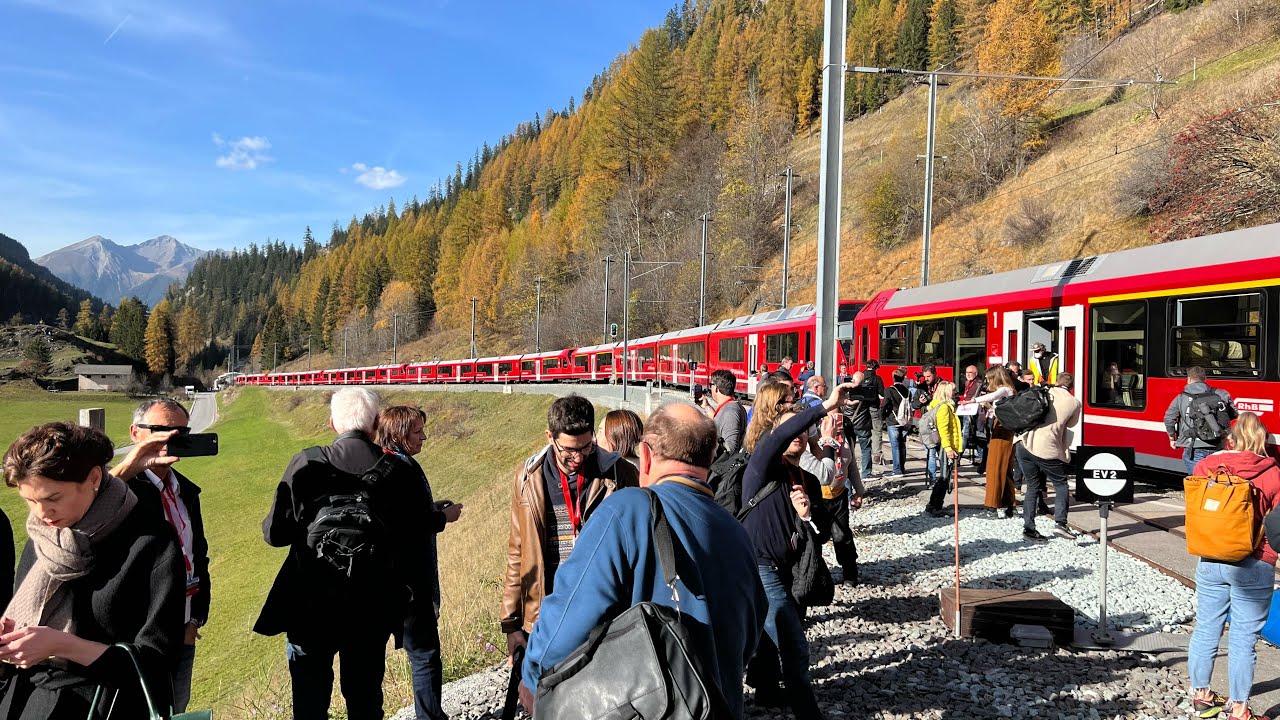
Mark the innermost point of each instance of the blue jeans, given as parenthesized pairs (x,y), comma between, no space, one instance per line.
(1035,470)
(422,645)
(1192,457)
(1244,589)
(784,627)
(182,678)
(898,448)
(864,446)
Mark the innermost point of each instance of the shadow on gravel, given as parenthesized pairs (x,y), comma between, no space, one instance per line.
(936,556)
(887,609)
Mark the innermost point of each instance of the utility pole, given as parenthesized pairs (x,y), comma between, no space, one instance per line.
(275,355)
(344,348)
(829,187)
(473,327)
(786,235)
(702,276)
(537,319)
(626,319)
(395,335)
(308,354)
(928,180)
(607,260)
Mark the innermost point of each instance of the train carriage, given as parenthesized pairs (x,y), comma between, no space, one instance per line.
(1127,325)
(599,361)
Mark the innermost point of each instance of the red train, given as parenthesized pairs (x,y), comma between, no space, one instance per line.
(1127,325)
(739,345)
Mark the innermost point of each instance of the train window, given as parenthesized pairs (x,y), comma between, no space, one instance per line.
(971,343)
(485,369)
(783,345)
(527,367)
(695,352)
(604,359)
(580,362)
(504,368)
(929,342)
(664,354)
(466,370)
(893,344)
(731,350)
(866,345)
(1219,333)
(848,311)
(645,354)
(550,363)
(1119,355)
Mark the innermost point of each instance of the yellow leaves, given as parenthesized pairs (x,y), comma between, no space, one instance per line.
(1019,41)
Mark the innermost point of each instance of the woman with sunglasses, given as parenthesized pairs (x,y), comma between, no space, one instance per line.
(98,569)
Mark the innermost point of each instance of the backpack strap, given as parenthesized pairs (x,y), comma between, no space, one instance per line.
(664,544)
(760,495)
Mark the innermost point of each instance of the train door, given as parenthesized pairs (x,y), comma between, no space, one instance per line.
(753,350)
(1071,359)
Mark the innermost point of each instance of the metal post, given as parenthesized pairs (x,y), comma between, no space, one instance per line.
(702,275)
(473,327)
(955,503)
(607,260)
(275,355)
(537,319)
(829,188)
(928,178)
(344,348)
(395,335)
(626,320)
(786,236)
(308,354)
(1103,636)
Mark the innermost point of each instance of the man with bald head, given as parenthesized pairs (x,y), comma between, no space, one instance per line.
(615,563)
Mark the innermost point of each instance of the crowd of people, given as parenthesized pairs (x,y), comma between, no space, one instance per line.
(120,555)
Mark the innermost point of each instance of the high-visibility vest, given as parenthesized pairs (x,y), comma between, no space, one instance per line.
(1034,362)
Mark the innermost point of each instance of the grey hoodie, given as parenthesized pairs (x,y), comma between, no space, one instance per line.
(1173,417)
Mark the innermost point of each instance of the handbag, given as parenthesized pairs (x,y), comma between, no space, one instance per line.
(153,713)
(811,582)
(641,664)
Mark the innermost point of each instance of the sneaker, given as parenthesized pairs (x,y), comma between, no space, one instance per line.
(937,512)
(1002,513)
(1065,531)
(1211,708)
(1031,534)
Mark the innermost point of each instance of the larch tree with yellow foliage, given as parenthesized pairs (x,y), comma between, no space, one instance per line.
(158,339)
(1019,41)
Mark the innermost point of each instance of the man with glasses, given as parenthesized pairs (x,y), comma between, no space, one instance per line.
(553,496)
(156,483)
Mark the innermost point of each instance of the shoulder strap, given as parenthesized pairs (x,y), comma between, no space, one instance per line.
(760,495)
(663,542)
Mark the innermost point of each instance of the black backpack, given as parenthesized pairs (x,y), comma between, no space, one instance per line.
(640,664)
(1208,416)
(726,480)
(346,534)
(1025,410)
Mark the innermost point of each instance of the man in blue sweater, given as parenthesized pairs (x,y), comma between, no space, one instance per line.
(615,564)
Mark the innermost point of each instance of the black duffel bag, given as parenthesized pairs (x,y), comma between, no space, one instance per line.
(811,584)
(642,664)
(1024,411)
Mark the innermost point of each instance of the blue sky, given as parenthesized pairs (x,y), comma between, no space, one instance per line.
(230,122)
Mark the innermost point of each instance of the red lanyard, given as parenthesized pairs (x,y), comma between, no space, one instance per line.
(575,512)
(169,500)
(721,407)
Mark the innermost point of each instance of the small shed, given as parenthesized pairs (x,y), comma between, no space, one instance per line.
(104,377)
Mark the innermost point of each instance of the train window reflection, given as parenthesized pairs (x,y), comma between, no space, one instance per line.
(731,350)
(893,344)
(929,342)
(527,367)
(604,359)
(782,345)
(971,343)
(1219,333)
(1119,346)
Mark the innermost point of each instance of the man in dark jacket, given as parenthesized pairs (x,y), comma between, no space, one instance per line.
(322,612)
(1181,426)
(169,494)
(894,395)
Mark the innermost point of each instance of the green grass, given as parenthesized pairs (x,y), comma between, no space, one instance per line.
(475,443)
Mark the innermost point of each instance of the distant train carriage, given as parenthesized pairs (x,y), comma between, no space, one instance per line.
(1127,325)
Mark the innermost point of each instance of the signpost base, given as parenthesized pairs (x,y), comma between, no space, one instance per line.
(1102,636)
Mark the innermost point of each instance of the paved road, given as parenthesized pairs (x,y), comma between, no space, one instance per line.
(204,412)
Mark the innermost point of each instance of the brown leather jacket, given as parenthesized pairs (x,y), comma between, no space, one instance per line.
(523,589)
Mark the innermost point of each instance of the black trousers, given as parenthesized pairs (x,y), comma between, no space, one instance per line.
(842,536)
(362,659)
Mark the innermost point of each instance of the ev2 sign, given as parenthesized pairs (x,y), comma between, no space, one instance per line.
(1104,474)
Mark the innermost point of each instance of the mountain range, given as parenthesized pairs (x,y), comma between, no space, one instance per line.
(112,271)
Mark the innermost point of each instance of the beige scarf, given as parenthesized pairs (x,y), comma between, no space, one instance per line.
(64,554)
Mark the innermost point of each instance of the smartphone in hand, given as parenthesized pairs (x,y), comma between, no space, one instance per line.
(193,445)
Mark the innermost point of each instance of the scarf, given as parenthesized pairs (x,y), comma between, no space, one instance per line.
(64,554)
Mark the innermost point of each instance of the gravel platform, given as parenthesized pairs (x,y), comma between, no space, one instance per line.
(881,650)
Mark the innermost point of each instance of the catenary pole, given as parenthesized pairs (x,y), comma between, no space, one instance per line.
(928,180)
(473,328)
(829,187)
(702,274)
(607,260)
(626,320)
(395,335)
(786,235)
(537,319)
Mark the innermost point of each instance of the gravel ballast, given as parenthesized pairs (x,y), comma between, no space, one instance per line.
(882,651)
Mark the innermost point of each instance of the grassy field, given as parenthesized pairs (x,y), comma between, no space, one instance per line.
(475,442)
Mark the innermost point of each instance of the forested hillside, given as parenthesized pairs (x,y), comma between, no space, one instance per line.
(705,112)
(30,293)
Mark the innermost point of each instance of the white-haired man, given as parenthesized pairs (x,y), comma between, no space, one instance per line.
(323,610)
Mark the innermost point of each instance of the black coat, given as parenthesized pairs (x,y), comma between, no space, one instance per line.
(189,492)
(135,593)
(307,601)
(6,559)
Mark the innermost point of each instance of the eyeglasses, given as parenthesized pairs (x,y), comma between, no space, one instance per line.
(579,452)
(182,429)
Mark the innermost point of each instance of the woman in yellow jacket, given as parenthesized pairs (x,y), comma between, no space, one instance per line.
(943,457)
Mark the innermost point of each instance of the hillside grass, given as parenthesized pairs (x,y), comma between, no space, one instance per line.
(475,443)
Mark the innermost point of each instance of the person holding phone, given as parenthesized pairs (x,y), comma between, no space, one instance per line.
(401,432)
(99,568)
(168,494)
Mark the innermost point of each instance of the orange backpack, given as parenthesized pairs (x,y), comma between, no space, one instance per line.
(1222,516)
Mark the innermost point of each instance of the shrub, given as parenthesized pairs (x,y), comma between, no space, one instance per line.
(1032,221)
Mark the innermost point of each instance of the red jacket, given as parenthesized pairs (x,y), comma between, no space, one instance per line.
(1261,471)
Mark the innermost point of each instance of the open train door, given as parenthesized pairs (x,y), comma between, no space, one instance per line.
(1071,359)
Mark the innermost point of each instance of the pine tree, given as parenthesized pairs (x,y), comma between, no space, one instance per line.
(158,339)
(86,323)
(944,33)
(105,319)
(64,318)
(128,328)
(912,47)
(37,357)
(255,353)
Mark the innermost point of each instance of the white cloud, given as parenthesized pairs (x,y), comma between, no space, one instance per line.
(377,177)
(243,154)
